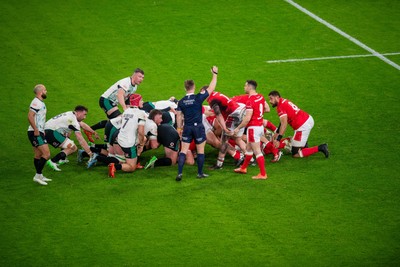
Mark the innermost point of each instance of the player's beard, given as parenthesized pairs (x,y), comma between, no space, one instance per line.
(44,96)
(273,104)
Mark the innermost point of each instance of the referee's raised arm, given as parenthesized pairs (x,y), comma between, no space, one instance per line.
(213,83)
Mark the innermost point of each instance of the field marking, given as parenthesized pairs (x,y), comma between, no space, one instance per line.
(352,39)
(326,58)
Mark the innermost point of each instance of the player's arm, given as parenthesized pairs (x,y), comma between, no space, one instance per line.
(153,143)
(86,127)
(220,119)
(267,109)
(179,121)
(121,97)
(213,83)
(141,139)
(151,139)
(281,130)
(83,142)
(32,122)
(245,121)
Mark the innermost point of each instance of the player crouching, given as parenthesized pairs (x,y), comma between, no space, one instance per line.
(130,136)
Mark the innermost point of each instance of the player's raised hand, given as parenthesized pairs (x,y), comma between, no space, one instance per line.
(214,69)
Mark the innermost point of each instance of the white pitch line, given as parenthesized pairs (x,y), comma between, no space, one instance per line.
(352,39)
(327,58)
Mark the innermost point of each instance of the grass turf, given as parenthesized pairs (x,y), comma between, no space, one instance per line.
(312,211)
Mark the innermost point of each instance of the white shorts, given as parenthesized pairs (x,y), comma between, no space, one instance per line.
(301,135)
(254,134)
(68,143)
(207,126)
(235,118)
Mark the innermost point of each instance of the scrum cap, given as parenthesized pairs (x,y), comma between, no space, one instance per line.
(134,100)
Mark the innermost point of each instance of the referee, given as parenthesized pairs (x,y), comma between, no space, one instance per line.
(189,123)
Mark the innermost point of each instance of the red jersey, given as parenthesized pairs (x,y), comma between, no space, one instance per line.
(257,104)
(296,117)
(241,99)
(226,104)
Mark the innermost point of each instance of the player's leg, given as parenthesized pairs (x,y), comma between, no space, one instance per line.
(68,147)
(221,153)
(260,160)
(56,140)
(130,158)
(182,159)
(130,165)
(247,158)
(200,160)
(44,155)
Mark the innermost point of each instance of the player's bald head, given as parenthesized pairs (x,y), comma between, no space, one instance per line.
(38,88)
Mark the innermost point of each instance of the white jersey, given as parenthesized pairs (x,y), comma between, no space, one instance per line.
(40,110)
(64,123)
(116,122)
(163,104)
(150,129)
(125,84)
(128,133)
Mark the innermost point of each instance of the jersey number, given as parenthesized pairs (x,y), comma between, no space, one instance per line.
(126,121)
(295,108)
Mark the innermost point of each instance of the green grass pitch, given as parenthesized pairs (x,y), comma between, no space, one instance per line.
(341,211)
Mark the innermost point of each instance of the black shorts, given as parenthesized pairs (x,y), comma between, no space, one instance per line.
(113,138)
(106,105)
(37,141)
(55,138)
(109,131)
(197,132)
(168,136)
(130,152)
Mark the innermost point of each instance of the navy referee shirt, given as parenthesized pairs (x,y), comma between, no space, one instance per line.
(191,107)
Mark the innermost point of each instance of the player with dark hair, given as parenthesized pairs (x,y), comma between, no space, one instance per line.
(190,123)
(229,115)
(256,106)
(58,130)
(300,121)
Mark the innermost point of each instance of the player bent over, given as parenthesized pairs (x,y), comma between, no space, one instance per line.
(300,121)
(58,130)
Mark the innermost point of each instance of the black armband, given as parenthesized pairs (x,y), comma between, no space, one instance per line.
(279,138)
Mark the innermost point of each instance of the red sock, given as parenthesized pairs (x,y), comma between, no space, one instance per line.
(246,162)
(271,126)
(309,151)
(237,155)
(261,164)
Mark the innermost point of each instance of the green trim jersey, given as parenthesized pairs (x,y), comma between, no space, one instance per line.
(39,107)
(150,129)
(64,123)
(128,133)
(125,84)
